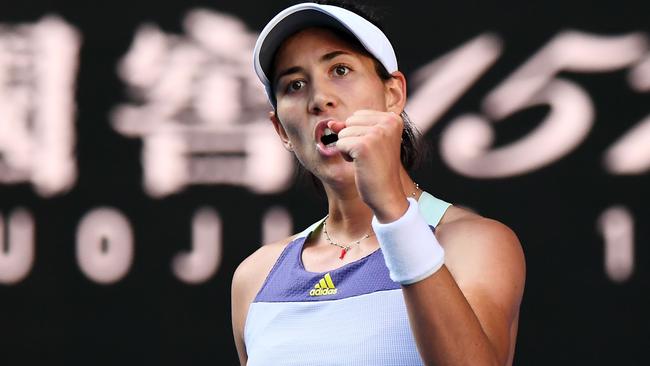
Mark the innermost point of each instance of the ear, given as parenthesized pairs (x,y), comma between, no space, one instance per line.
(396,93)
(280,131)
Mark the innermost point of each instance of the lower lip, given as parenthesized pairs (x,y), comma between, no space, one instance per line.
(328,151)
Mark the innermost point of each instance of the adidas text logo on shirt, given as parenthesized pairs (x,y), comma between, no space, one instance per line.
(324,287)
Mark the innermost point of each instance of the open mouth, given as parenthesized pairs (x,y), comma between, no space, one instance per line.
(329,137)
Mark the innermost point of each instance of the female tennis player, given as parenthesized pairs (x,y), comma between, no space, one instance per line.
(391,275)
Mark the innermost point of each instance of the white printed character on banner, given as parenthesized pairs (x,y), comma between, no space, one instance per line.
(199,109)
(38,66)
(467,142)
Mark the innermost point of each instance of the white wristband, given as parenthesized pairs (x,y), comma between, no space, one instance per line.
(411,250)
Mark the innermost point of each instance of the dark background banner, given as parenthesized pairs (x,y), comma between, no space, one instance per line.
(137,170)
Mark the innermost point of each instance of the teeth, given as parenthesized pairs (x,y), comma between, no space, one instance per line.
(329,138)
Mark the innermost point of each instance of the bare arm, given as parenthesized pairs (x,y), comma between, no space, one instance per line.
(465,314)
(240,300)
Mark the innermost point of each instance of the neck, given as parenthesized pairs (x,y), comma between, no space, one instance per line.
(349,217)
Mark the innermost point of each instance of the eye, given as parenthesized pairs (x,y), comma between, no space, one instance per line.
(295,85)
(341,70)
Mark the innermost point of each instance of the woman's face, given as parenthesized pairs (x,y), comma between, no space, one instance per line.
(320,77)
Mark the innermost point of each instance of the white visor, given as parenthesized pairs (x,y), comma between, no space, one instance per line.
(306,15)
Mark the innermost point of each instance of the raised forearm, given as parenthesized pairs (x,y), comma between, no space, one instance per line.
(446,329)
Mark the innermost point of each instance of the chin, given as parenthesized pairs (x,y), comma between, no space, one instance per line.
(340,174)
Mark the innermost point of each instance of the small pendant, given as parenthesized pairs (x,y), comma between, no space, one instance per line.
(343,253)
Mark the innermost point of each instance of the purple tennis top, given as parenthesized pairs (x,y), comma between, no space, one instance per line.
(352,315)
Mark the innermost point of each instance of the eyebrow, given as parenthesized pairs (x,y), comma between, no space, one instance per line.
(295,69)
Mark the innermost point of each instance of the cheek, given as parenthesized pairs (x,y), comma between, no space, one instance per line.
(287,112)
(292,129)
(367,94)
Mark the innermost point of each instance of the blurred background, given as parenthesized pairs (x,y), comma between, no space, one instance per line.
(138,168)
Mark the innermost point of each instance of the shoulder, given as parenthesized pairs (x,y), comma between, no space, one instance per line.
(460,227)
(482,253)
(252,271)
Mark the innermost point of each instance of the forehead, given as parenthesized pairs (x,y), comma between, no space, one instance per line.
(312,42)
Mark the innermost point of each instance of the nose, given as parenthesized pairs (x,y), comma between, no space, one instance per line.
(322,97)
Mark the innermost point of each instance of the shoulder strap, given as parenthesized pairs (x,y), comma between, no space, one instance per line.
(432,208)
(311,228)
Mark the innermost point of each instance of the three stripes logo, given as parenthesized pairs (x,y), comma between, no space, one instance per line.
(324,287)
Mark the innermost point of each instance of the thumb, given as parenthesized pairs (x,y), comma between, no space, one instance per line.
(336,126)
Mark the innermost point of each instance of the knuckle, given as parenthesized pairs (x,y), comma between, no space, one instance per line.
(384,130)
(376,133)
(362,148)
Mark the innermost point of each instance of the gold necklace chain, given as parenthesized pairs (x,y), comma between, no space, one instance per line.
(346,248)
